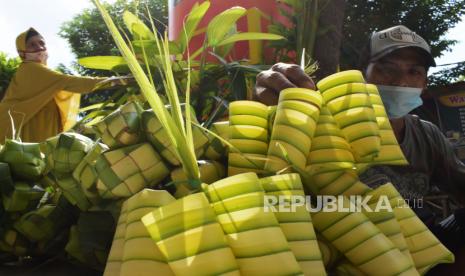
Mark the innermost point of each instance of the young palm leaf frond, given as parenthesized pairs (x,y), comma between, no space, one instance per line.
(173,123)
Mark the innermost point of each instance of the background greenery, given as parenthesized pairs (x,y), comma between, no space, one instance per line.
(431,19)
(88,36)
(8,67)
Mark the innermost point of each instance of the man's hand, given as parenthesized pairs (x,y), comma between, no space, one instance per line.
(280,76)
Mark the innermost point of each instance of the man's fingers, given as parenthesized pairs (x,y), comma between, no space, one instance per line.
(295,74)
(273,80)
(266,96)
(281,76)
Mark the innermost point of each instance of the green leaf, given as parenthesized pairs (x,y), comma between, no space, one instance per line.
(110,63)
(190,26)
(149,46)
(221,24)
(94,114)
(223,51)
(239,86)
(296,4)
(173,122)
(92,107)
(249,36)
(138,29)
(174,48)
(152,49)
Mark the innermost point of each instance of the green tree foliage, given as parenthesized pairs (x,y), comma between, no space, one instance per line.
(429,18)
(451,74)
(88,35)
(8,67)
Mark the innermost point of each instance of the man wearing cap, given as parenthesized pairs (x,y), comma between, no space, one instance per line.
(397,61)
(39,102)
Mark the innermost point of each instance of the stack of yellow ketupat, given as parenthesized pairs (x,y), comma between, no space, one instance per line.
(249,136)
(225,229)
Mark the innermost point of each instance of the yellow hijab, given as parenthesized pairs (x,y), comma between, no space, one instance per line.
(31,89)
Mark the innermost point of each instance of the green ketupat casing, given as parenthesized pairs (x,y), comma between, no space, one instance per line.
(210,171)
(254,235)
(122,127)
(65,151)
(25,159)
(297,226)
(86,174)
(133,250)
(426,250)
(241,236)
(293,129)
(141,255)
(190,238)
(361,242)
(125,171)
(248,136)
(157,136)
(348,101)
(390,152)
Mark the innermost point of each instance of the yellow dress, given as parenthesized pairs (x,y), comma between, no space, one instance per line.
(43,101)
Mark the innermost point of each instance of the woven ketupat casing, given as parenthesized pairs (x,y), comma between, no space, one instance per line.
(210,171)
(189,237)
(248,133)
(216,149)
(296,225)
(361,242)
(23,198)
(426,250)
(65,151)
(86,174)
(252,232)
(115,256)
(13,242)
(293,129)
(126,171)
(158,137)
(90,240)
(6,181)
(140,253)
(122,127)
(35,225)
(390,152)
(46,222)
(73,192)
(330,150)
(25,159)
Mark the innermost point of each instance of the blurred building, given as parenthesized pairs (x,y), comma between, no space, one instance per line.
(445,107)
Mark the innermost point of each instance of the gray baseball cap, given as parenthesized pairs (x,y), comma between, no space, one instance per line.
(386,41)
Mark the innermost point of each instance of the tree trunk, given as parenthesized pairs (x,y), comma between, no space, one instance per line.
(328,43)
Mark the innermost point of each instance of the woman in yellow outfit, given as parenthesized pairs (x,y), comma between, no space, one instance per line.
(42,101)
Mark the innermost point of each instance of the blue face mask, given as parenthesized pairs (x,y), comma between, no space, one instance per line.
(399,101)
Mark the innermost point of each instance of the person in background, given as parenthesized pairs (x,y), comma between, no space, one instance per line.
(40,102)
(397,61)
